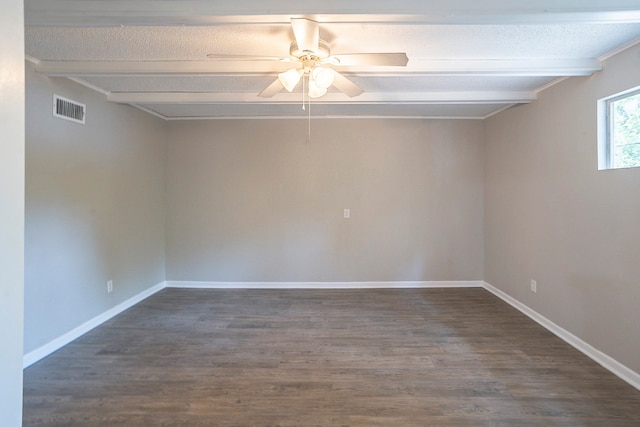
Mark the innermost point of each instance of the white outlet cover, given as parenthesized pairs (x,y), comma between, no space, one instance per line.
(347,213)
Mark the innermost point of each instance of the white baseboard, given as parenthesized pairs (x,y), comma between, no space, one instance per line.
(325,285)
(603,359)
(42,352)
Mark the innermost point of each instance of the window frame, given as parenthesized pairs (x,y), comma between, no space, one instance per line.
(606,138)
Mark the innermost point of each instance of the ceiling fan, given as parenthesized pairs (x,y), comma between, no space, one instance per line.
(312,61)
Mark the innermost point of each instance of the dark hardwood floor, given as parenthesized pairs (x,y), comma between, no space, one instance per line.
(359,358)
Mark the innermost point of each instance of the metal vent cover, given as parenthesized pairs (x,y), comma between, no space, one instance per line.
(68,109)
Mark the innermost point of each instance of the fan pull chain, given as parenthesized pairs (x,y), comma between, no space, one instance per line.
(303,93)
(309,119)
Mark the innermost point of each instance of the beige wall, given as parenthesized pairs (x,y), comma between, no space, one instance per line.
(11,211)
(253,200)
(553,217)
(94,208)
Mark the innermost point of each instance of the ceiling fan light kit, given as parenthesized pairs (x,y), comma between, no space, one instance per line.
(322,76)
(320,79)
(311,58)
(316,91)
(290,78)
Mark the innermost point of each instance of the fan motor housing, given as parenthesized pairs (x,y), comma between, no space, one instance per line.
(322,52)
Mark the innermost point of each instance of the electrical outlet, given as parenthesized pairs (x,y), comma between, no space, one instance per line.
(534,286)
(347,213)
(110,286)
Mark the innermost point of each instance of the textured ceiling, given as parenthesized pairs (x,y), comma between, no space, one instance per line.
(464,61)
(419,41)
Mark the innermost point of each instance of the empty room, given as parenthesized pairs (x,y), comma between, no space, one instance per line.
(268,213)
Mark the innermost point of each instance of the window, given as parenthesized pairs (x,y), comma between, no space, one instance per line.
(620,131)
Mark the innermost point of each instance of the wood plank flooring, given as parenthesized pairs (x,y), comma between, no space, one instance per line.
(357,358)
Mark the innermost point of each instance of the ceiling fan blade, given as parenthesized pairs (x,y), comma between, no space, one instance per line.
(272,89)
(385,59)
(307,34)
(345,85)
(245,58)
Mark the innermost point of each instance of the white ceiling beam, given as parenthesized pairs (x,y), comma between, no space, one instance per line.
(535,67)
(419,67)
(156,68)
(504,97)
(199,12)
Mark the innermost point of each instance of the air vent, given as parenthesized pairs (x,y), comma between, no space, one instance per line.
(67,109)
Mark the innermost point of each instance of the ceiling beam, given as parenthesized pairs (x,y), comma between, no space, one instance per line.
(504,97)
(535,67)
(418,67)
(157,68)
(201,12)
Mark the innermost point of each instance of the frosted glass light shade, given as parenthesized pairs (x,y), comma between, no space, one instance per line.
(316,91)
(290,79)
(322,76)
